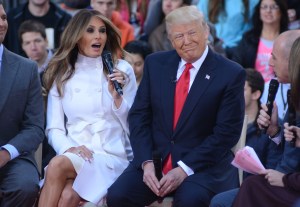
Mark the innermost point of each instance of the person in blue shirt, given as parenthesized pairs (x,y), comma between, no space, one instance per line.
(231,19)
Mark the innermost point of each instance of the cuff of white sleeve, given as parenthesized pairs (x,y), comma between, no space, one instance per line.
(185,168)
(11,150)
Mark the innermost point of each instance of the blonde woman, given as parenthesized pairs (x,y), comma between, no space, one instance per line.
(86,117)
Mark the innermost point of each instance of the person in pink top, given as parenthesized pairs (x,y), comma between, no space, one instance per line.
(270,19)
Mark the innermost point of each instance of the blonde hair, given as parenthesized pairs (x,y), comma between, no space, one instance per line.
(62,65)
(184,15)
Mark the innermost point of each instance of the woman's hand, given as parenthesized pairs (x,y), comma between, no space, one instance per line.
(121,78)
(82,151)
(274,177)
(290,132)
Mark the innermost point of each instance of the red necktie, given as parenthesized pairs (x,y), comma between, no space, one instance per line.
(182,89)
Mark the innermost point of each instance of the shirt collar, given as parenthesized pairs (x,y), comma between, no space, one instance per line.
(197,64)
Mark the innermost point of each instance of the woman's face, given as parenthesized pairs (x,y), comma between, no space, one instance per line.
(92,42)
(269,12)
(170,5)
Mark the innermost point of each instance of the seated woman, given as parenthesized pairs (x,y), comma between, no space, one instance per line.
(86,116)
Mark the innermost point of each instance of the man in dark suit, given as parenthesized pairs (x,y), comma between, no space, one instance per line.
(198,145)
(21,125)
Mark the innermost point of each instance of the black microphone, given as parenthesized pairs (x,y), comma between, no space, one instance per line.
(156,157)
(273,87)
(291,115)
(107,59)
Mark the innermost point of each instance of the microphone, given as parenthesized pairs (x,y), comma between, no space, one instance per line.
(291,115)
(107,59)
(158,169)
(273,87)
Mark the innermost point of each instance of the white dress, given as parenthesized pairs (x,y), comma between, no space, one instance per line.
(92,120)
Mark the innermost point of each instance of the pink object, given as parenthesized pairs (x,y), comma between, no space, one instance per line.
(246,159)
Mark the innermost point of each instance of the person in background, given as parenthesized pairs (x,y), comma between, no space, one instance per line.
(32,35)
(267,151)
(44,11)
(73,6)
(275,187)
(270,19)
(158,39)
(231,19)
(86,117)
(138,51)
(33,38)
(107,8)
(173,116)
(21,125)
(134,12)
(294,14)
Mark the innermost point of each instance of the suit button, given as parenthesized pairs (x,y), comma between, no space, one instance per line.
(172,142)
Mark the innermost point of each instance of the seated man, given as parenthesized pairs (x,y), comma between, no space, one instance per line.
(21,125)
(189,108)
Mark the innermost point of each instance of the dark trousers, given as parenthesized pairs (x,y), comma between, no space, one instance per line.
(19,184)
(129,190)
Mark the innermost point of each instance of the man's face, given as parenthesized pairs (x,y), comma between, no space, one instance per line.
(189,40)
(279,61)
(105,7)
(137,63)
(3,24)
(34,45)
(39,2)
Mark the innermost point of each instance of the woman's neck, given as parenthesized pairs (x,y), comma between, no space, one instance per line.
(269,32)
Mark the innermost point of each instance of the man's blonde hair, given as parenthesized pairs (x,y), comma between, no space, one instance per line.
(184,15)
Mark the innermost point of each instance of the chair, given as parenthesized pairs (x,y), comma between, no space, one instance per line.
(241,143)
(38,157)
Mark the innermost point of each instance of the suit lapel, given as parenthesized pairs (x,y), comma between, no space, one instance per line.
(202,80)
(168,85)
(8,73)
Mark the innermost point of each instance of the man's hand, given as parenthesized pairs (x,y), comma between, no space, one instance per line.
(4,157)
(149,177)
(264,120)
(171,181)
(274,177)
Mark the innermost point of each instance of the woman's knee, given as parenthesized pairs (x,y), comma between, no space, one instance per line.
(57,166)
(69,196)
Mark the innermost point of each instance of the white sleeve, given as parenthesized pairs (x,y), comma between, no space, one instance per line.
(55,130)
(129,91)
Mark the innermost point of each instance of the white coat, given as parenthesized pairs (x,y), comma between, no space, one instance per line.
(92,120)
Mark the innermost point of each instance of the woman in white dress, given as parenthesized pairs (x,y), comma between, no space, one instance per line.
(86,117)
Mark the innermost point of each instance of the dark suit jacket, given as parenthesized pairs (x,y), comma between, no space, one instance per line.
(21,105)
(210,122)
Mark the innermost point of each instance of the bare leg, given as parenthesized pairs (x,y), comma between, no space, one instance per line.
(69,197)
(59,170)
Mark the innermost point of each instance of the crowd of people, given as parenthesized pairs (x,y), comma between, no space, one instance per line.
(137,100)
